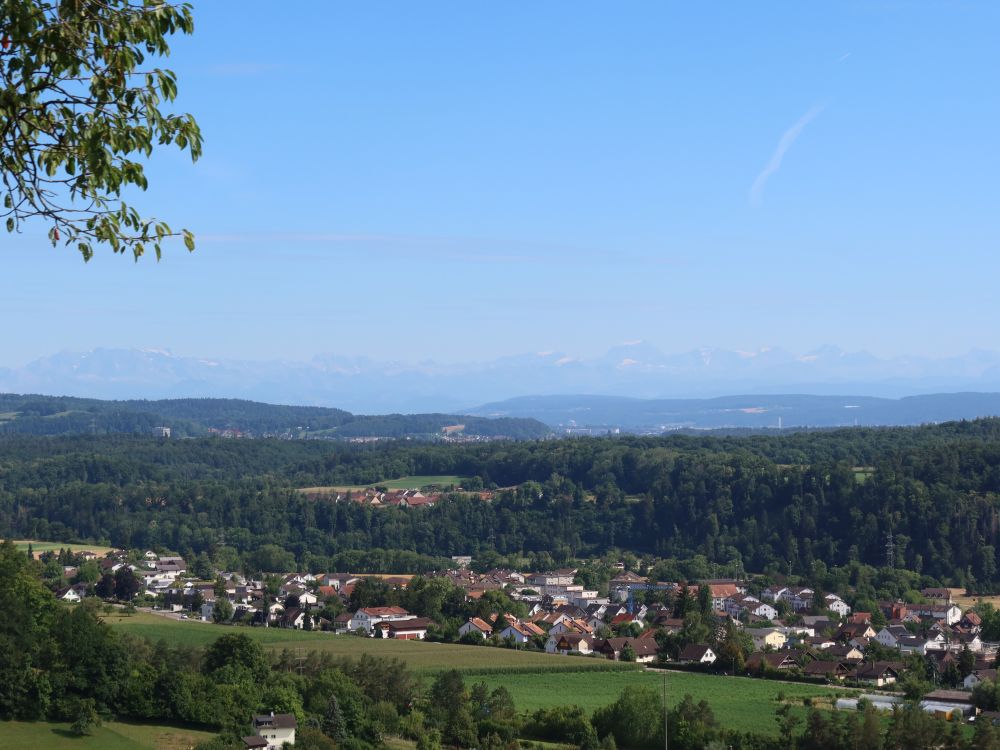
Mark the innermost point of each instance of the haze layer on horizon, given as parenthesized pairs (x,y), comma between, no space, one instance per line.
(458,182)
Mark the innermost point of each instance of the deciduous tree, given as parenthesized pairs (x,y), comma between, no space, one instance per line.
(81,108)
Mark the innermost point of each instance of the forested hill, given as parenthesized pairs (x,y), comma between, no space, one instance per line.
(770,502)
(191,417)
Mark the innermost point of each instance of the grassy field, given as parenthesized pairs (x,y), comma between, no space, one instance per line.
(739,703)
(39,547)
(409,483)
(403,483)
(966,602)
(420,656)
(113,735)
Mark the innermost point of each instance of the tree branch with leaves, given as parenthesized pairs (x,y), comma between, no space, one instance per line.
(79,111)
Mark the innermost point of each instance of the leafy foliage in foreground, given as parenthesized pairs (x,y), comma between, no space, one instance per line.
(80,113)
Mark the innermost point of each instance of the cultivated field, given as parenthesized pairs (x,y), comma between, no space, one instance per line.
(39,547)
(739,703)
(419,655)
(113,735)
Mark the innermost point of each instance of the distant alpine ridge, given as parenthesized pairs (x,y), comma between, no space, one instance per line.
(597,415)
(636,370)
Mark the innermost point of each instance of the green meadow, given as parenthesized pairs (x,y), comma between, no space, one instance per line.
(112,735)
(739,703)
(421,656)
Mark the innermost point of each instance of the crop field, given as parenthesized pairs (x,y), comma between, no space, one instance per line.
(39,547)
(112,735)
(421,656)
(738,703)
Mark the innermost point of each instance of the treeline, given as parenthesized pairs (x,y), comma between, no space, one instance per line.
(192,417)
(768,502)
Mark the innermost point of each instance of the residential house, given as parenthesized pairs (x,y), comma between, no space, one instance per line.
(779,660)
(835,604)
(877,674)
(571,625)
(414,629)
(947,613)
(764,638)
(521,632)
(798,597)
(477,626)
(720,592)
(836,669)
(889,636)
(980,675)
(773,593)
(275,729)
(971,621)
(570,643)
(72,594)
(918,645)
(937,595)
(849,631)
(342,623)
(697,653)
(644,648)
(846,653)
(367,618)
(293,618)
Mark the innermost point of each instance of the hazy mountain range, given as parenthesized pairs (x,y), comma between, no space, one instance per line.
(600,414)
(363,385)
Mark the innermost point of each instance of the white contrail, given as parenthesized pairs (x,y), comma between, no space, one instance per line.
(774,164)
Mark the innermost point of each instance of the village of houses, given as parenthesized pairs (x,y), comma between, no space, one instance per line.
(567,619)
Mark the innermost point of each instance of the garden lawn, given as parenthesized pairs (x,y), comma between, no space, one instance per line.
(113,735)
(739,703)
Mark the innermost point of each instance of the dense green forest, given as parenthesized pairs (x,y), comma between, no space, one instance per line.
(191,417)
(775,502)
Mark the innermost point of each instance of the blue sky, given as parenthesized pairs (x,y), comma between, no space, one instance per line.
(459,181)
